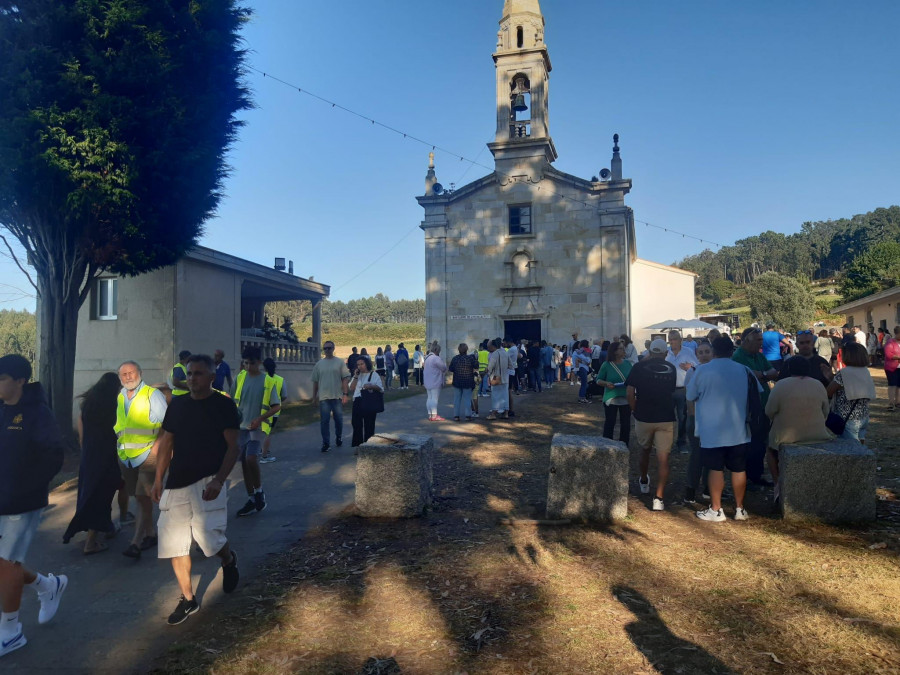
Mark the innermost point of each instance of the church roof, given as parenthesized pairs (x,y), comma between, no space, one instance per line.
(521,7)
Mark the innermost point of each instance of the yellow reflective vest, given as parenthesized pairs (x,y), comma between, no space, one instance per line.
(136,433)
(279,387)
(483,355)
(267,396)
(175,391)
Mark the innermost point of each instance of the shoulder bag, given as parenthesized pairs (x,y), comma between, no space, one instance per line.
(371,400)
(836,423)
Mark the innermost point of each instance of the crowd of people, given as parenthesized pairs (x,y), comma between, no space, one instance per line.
(730,404)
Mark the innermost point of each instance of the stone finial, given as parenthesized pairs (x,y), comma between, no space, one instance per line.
(430,178)
(615,166)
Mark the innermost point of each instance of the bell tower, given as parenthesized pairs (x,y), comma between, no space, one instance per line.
(522,143)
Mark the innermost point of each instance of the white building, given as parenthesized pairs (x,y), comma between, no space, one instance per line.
(208,300)
(529,251)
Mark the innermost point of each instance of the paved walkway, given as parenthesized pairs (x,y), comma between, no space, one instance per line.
(112,617)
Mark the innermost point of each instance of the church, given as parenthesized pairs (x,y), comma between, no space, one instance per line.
(529,251)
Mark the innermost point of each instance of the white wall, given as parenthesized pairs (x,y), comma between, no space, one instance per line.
(658,293)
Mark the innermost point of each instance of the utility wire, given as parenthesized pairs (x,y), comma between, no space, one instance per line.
(472,162)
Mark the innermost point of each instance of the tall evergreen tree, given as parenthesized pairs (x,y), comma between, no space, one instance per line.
(115,117)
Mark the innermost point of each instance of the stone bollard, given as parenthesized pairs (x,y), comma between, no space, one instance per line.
(588,478)
(833,482)
(393,476)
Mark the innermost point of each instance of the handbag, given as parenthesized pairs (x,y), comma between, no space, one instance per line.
(371,400)
(836,423)
(496,380)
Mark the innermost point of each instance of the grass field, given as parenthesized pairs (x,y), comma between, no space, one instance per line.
(464,590)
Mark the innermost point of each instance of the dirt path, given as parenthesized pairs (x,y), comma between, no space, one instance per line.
(660,592)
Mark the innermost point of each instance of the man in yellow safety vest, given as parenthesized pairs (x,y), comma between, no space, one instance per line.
(139,415)
(258,400)
(177,380)
(269,365)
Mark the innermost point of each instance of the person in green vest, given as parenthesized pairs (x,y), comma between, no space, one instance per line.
(269,365)
(177,380)
(140,411)
(258,400)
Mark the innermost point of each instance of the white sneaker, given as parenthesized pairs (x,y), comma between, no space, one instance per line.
(741,514)
(50,599)
(658,504)
(711,515)
(645,487)
(11,644)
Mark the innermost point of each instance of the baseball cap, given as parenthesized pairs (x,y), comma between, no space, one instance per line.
(16,366)
(659,346)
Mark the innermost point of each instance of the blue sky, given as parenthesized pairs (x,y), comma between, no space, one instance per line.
(734,118)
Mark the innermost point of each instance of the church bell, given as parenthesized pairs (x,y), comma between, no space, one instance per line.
(519,104)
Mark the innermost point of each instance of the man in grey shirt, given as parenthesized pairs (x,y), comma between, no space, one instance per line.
(257,400)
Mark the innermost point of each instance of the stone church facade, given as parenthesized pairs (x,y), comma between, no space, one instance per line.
(529,251)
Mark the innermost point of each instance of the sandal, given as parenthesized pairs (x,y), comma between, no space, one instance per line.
(99,548)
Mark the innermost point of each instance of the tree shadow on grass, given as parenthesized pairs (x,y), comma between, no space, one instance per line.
(666,652)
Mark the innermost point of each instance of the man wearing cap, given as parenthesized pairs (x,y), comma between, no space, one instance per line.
(31,453)
(683,359)
(650,386)
(140,411)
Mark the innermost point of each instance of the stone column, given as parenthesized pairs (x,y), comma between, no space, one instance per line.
(588,478)
(317,323)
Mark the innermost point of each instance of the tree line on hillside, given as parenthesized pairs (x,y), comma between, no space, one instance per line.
(821,250)
(18,330)
(376,309)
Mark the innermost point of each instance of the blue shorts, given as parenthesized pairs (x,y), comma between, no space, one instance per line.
(893,377)
(16,533)
(250,443)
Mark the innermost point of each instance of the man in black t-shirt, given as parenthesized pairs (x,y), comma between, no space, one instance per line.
(198,446)
(650,385)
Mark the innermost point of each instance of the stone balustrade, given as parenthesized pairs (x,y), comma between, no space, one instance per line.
(284,352)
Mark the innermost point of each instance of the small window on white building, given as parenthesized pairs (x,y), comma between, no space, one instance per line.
(520,219)
(106,299)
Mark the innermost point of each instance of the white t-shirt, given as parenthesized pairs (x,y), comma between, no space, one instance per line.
(684,356)
(368,378)
(513,354)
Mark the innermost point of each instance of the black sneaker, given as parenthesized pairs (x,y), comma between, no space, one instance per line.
(248,508)
(325,447)
(183,611)
(230,574)
(259,500)
(339,441)
(689,495)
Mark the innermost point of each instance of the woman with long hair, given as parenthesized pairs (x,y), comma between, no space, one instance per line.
(98,473)
(363,420)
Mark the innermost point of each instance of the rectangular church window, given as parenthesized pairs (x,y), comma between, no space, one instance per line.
(520,219)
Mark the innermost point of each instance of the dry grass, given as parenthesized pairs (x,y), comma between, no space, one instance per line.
(459,592)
